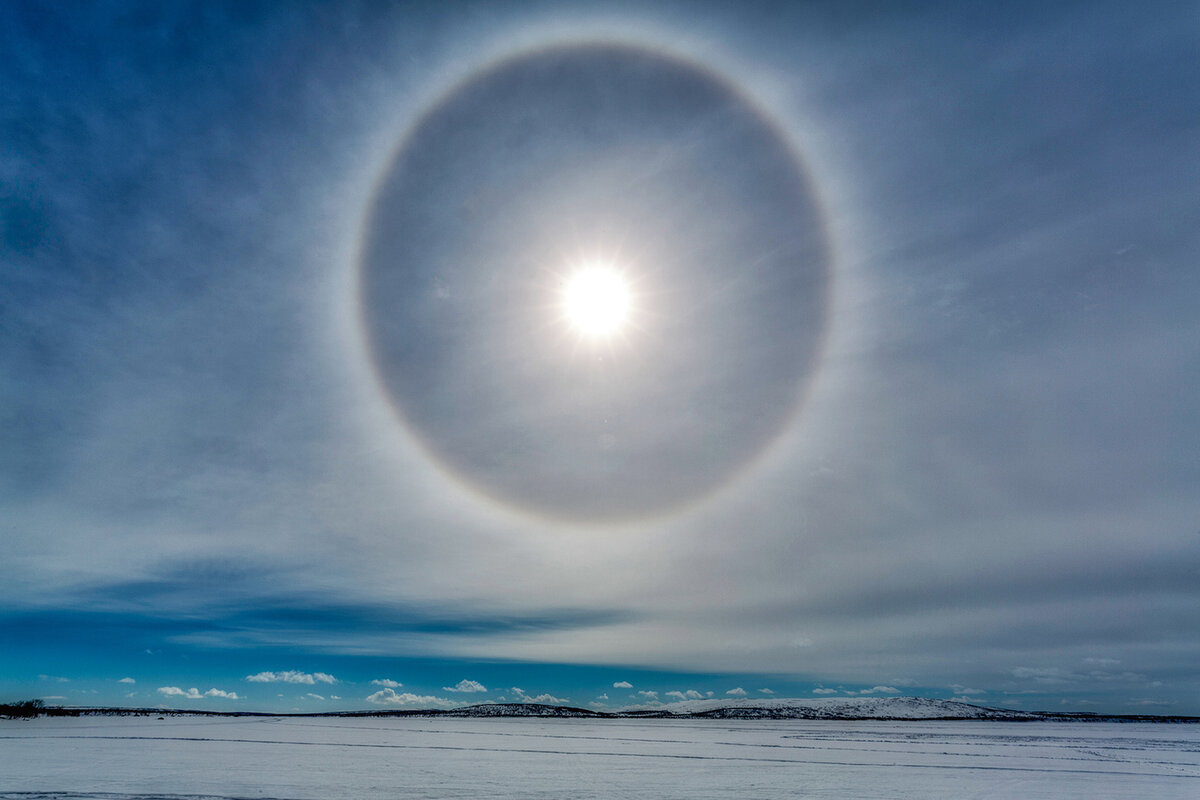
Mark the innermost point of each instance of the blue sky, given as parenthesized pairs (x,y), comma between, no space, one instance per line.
(908,406)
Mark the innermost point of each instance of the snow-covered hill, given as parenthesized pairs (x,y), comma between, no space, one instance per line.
(840,708)
(891,708)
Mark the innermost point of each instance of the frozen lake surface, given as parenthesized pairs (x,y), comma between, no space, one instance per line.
(119,758)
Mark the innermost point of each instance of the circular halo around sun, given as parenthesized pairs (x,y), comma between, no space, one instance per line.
(596,301)
(594,281)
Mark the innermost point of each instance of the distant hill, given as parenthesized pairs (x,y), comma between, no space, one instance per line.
(841,708)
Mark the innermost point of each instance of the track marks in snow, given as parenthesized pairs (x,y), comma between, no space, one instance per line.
(618,754)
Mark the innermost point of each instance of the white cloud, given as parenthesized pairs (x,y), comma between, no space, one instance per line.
(766,691)
(737,692)
(465,686)
(824,691)
(690,694)
(314,696)
(879,690)
(389,697)
(622,685)
(55,678)
(388,682)
(195,694)
(602,696)
(525,697)
(548,698)
(292,676)
(127,680)
(650,695)
(55,697)
(966,690)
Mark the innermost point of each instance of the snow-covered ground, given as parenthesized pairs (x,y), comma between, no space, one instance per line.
(117,758)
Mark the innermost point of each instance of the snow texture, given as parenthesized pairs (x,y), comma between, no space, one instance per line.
(193,757)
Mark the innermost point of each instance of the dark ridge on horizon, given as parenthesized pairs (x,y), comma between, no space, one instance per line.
(954,711)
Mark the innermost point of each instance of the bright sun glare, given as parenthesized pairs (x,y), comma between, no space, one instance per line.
(596,300)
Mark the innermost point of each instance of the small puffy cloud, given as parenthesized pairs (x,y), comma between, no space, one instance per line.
(649,695)
(465,686)
(622,685)
(824,691)
(390,697)
(127,680)
(314,696)
(737,692)
(292,676)
(766,691)
(388,682)
(602,696)
(195,694)
(525,697)
(55,678)
(690,694)
(547,698)
(880,690)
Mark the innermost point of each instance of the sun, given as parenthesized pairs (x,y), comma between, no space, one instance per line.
(596,301)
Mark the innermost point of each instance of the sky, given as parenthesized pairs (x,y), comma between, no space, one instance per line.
(907,401)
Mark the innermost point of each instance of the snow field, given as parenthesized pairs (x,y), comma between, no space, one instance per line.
(136,758)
